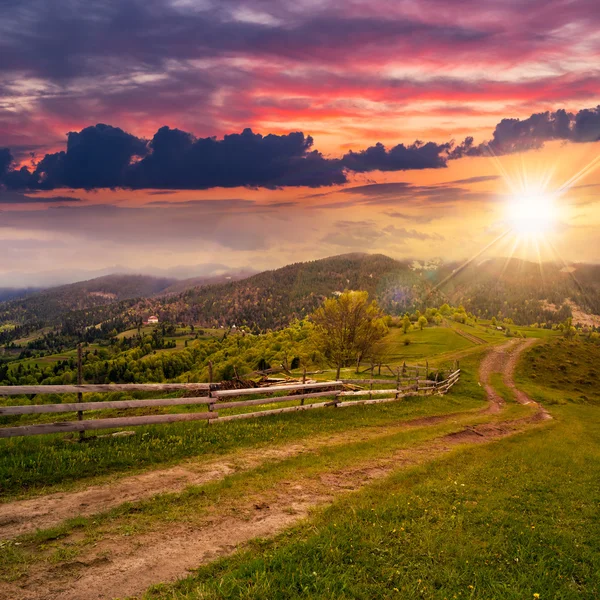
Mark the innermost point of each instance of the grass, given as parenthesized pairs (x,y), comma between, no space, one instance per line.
(477,524)
(423,344)
(562,371)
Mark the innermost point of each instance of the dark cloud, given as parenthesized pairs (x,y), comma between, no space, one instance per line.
(469,180)
(103,156)
(177,160)
(520,135)
(8,197)
(106,157)
(96,157)
(5,161)
(399,158)
(420,219)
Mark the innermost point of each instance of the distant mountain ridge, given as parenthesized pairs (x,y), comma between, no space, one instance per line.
(50,304)
(11,293)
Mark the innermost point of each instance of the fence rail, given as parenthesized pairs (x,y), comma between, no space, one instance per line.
(19,390)
(214,400)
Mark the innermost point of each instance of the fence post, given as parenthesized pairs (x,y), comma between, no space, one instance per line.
(371,385)
(79,394)
(303,382)
(403,368)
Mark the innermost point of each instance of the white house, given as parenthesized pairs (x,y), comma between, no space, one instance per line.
(152,320)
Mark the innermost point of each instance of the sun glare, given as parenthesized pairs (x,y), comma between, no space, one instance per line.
(532,215)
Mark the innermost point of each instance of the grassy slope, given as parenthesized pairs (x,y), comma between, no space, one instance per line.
(512,520)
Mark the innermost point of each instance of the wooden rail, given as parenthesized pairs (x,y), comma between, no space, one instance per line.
(214,400)
(18,390)
(32,409)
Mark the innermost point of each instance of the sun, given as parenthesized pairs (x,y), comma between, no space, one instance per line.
(532,214)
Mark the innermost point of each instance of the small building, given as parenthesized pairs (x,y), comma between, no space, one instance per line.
(152,320)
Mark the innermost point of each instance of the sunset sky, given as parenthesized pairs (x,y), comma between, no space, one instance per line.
(413,128)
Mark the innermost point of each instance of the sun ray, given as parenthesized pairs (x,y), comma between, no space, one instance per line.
(467,263)
(583,172)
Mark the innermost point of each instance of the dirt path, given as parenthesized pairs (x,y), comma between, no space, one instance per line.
(503,359)
(42,512)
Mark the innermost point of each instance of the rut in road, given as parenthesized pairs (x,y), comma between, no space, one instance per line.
(127,566)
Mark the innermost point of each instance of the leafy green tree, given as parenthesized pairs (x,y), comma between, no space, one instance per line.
(347,327)
(422,323)
(406,324)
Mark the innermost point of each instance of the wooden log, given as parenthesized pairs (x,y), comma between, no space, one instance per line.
(35,409)
(273,411)
(369,392)
(79,394)
(373,401)
(17,390)
(303,382)
(259,401)
(367,381)
(390,370)
(70,426)
(276,388)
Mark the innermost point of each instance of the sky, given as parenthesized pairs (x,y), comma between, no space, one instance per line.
(196,136)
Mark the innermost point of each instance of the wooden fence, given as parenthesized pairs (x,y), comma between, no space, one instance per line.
(211,396)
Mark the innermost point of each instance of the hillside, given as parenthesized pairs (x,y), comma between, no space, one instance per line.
(48,306)
(522,290)
(7,294)
(183,285)
(274,298)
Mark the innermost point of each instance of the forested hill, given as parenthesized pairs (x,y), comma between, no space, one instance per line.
(7,294)
(274,298)
(186,284)
(49,306)
(521,290)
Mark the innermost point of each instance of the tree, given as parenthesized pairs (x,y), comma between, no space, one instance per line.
(347,327)
(422,322)
(406,323)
